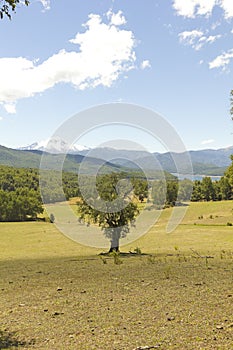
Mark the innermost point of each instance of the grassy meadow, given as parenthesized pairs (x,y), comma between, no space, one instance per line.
(177,294)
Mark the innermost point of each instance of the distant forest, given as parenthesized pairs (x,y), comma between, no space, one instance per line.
(20,197)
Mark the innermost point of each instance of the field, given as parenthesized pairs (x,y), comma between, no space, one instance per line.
(177,294)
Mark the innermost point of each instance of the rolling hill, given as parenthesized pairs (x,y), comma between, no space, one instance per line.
(32,159)
(205,162)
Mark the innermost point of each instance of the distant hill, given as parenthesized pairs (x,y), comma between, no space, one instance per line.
(32,159)
(219,157)
(205,162)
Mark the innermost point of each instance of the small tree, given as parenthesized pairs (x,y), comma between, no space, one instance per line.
(172,192)
(225,188)
(52,218)
(197,191)
(112,208)
(207,188)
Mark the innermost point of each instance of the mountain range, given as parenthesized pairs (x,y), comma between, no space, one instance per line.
(205,162)
(55,145)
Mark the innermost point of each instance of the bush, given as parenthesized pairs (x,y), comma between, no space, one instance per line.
(52,218)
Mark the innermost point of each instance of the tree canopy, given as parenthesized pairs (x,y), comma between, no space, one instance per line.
(7,7)
(20,197)
(111,207)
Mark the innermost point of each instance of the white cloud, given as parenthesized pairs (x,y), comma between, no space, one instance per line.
(46,4)
(207,142)
(116,19)
(222,61)
(212,38)
(10,108)
(1,118)
(96,62)
(190,37)
(145,64)
(193,8)
(227,6)
(196,39)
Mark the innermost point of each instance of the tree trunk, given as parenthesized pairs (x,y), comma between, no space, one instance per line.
(114,242)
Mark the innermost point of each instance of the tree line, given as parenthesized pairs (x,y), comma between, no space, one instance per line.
(166,193)
(20,197)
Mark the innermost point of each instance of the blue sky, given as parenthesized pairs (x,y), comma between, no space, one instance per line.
(172,56)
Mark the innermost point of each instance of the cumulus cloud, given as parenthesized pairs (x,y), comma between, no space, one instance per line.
(105,51)
(207,142)
(193,8)
(116,19)
(145,64)
(196,39)
(1,118)
(222,61)
(227,6)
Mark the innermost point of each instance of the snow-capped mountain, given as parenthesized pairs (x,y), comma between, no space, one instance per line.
(54,145)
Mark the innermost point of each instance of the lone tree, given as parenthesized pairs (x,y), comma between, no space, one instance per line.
(111,207)
(9,6)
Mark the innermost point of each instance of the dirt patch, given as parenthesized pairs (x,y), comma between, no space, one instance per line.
(167,302)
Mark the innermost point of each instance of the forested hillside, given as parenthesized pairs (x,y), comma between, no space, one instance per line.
(20,197)
(20,189)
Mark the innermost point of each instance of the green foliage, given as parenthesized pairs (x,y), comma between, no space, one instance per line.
(110,207)
(20,197)
(9,6)
(172,192)
(140,188)
(30,159)
(116,258)
(207,189)
(185,189)
(19,194)
(19,205)
(164,193)
(138,251)
(55,188)
(104,260)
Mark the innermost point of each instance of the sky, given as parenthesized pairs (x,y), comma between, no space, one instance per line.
(174,57)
